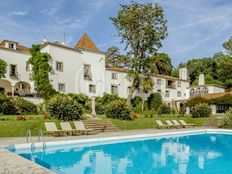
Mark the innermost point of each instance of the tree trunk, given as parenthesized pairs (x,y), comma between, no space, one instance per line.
(131,92)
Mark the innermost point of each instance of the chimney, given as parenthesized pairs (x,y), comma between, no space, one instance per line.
(201,79)
(183,74)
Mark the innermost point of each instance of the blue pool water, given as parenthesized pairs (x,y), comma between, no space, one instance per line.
(193,154)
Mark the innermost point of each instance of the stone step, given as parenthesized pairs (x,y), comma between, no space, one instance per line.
(100,125)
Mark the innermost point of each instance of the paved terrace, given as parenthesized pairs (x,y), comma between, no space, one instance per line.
(11,163)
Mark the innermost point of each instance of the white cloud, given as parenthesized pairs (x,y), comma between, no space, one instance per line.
(19,13)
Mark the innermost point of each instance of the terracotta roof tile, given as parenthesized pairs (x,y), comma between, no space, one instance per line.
(86,43)
(19,47)
(215,95)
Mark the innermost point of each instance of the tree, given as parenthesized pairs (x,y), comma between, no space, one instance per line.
(228,45)
(225,68)
(114,58)
(41,69)
(141,27)
(3,66)
(163,63)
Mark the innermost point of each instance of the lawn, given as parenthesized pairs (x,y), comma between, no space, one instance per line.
(146,123)
(10,127)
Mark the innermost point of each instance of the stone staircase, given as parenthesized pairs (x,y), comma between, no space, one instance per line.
(100,125)
(212,122)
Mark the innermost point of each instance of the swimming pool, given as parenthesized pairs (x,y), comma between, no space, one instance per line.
(205,152)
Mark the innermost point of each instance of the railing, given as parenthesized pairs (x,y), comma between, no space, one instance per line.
(29,139)
(41,138)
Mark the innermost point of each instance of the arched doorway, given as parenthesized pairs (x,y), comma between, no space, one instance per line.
(22,88)
(5,87)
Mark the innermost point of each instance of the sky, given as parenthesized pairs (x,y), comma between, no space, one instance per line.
(196,28)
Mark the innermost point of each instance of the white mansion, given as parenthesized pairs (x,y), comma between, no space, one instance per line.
(82,70)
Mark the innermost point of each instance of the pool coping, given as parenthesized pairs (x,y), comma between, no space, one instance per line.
(12,163)
(104,140)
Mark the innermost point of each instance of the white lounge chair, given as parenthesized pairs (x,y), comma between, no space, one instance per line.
(169,123)
(176,123)
(161,125)
(183,123)
(81,127)
(67,127)
(52,129)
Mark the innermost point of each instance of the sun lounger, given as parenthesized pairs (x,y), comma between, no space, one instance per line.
(52,129)
(161,125)
(67,127)
(183,123)
(169,123)
(80,126)
(176,123)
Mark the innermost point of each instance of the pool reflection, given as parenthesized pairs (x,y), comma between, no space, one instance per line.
(182,155)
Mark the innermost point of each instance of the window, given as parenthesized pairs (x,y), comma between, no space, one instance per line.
(92,88)
(61,87)
(179,84)
(198,92)
(30,76)
(11,46)
(13,71)
(167,94)
(114,76)
(178,94)
(87,72)
(159,81)
(59,66)
(114,89)
(192,93)
(27,66)
(159,91)
(205,90)
(170,84)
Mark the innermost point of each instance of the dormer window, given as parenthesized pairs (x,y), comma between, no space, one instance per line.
(11,46)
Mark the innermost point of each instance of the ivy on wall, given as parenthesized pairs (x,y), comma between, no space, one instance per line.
(41,69)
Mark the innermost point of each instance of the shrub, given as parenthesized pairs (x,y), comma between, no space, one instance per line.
(63,107)
(154,101)
(201,110)
(25,107)
(227,121)
(134,115)
(80,98)
(164,109)
(21,117)
(195,100)
(8,107)
(100,108)
(137,103)
(149,113)
(118,109)
(107,98)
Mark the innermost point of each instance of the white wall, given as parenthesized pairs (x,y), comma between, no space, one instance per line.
(123,84)
(73,70)
(19,59)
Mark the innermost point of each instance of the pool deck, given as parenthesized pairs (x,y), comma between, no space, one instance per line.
(11,163)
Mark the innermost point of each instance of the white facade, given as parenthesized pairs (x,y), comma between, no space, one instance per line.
(76,70)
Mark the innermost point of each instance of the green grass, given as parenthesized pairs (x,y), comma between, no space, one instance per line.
(10,127)
(147,123)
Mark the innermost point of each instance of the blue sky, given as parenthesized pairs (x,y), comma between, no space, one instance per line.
(197,28)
